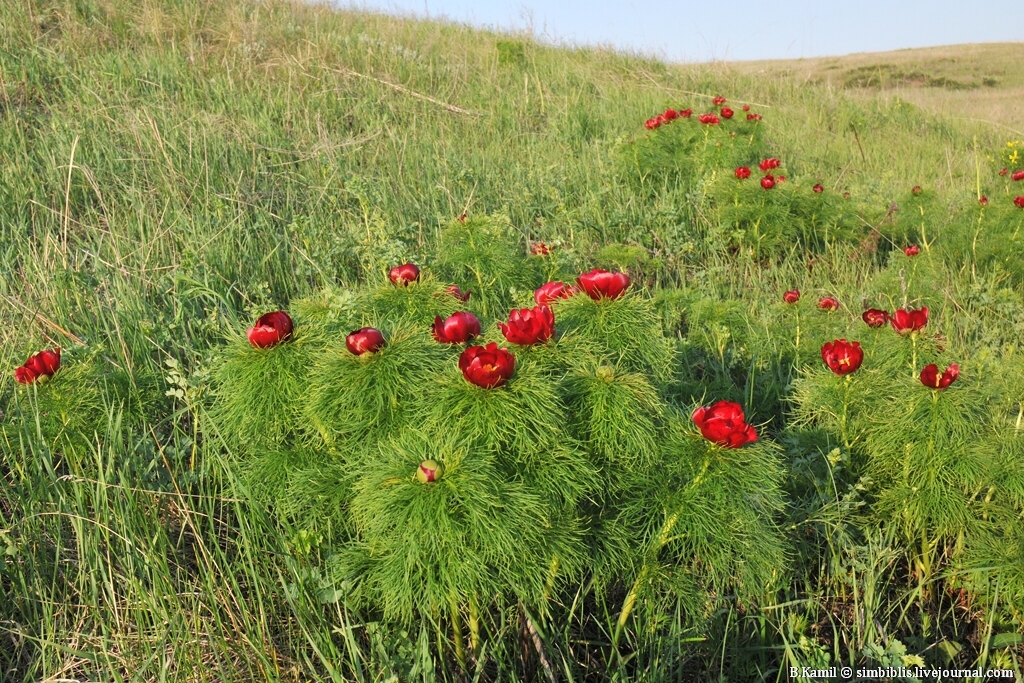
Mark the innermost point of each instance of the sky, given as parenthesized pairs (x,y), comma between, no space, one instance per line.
(706,30)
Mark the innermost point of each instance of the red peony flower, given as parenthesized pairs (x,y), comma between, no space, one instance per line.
(742,172)
(780,179)
(828,303)
(723,423)
(983,200)
(540,249)
(727,113)
(270,329)
(651,124)
(429,471)
(487,366)
(875,317)
(753,117)
(719,101)
(746,107)
(458,328)
(818,188)
(686,113)
(1017,175)
(529,326)
(909,320)
(768,182)
(548,293)
(1019,201)
(402,275)
(709,119)
(39,367)
(769,164)
(915,190)
(458,293)
(671,115)
(792,296)
(601,284)
(365,340)
(1004,171)
(912,250)
(930,376)
(842,357)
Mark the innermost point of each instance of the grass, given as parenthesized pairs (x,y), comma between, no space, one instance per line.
(172,169)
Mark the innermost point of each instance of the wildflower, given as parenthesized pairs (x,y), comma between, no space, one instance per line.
(912,250)
(723,423)
(402,275)
(709,119)
(983,200)
(818,188)
(791,296)
(486,366)
(742,172)
(1004,171)
(768,182)
(550,292)
(916,190)
(930,376)
(780,179)
(39,367)
(671,115)
(458,293)
(828,303)
(1019,201)
(270,329)
(540,249)
(909,320)
(528,326)
(364,340)
(458,328)
(746,107)
(753,117)
(651,124)
(875,317)
(727,113)
(600,284)
(842,357)
(719,101)
(429,471)
(769,164)
(1017,175)
(685,113)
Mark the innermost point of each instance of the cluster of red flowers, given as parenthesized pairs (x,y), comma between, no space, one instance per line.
(710,119)
(768,181)
(38,368)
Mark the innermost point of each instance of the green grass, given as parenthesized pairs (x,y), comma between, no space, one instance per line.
(169,170)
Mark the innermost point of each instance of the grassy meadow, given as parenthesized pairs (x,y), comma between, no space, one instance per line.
(172,169)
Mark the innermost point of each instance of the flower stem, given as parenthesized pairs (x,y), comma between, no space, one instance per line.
(460,644)
(913,361)
(474,627)
(796,344)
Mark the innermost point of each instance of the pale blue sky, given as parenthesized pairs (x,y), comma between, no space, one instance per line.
(692,30)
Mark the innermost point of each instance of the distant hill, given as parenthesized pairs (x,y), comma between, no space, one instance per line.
(983,81)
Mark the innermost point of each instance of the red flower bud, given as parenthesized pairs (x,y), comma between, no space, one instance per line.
(671,115)
(719,101)
(540,249)
(487,366)
(550,292)
(709,119)
(828,303)
(842,357)
(912,250)
(742,172)
(753,117)
(769,163)
(429,471)
(875,317)
(458,328)
(768,182)
(727,113)
(364,340)
(599,284)
(746,107)
(458,293)
(780,179)
(686,113)
(818,188)
(930,376)
(1017,175)
(270,329)
(528,326)
(983,200)
(39,367)
(1019,201)
(402,275)
(909,320)
(1004,171)
(792,296)
(723,423)
(916,190)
